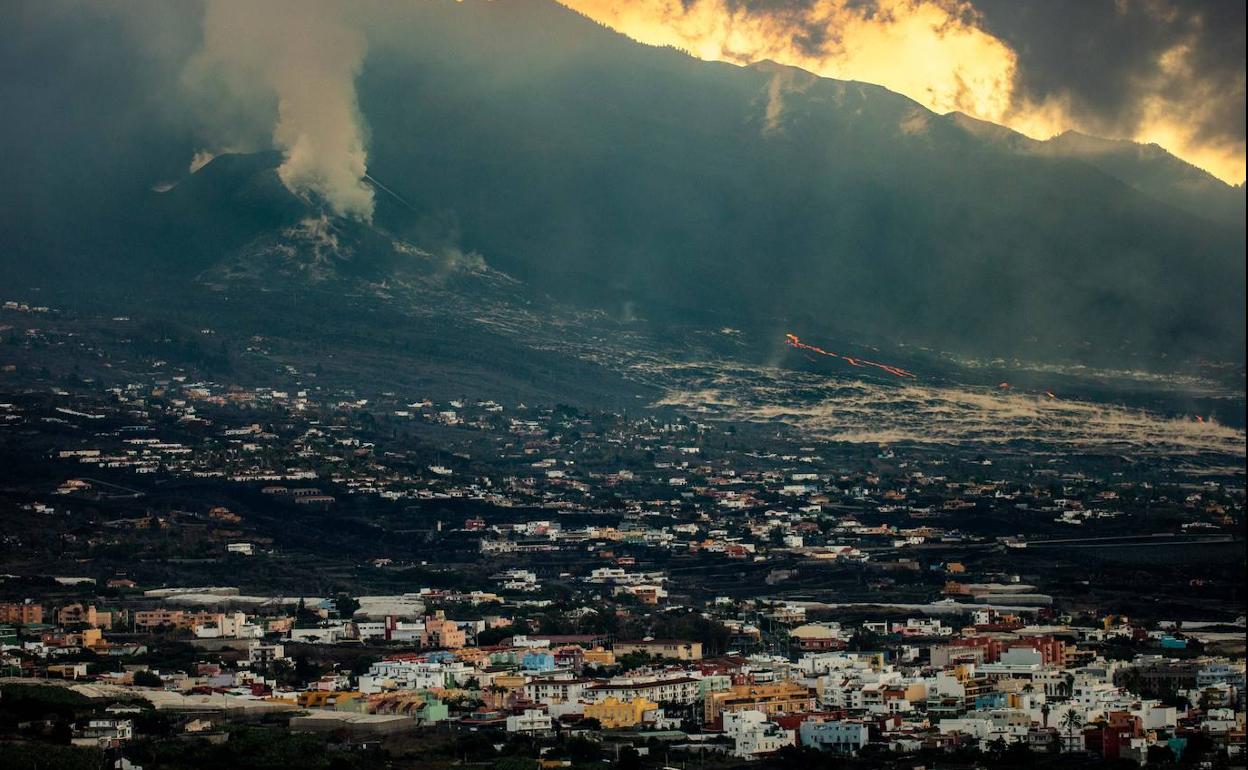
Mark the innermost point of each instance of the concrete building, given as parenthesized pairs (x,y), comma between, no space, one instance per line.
(752,734)
(682,690)
(775,698)
(551,691)
(21,612)
(613,713)
(80,614)
(841,737)
(531,721)
(442,633)
(352,723)
(672,649)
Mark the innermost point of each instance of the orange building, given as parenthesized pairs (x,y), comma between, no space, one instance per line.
(613,713)
(158,618)
(598,657)
(778,698)
(23,613)
(440,632)
(79,614)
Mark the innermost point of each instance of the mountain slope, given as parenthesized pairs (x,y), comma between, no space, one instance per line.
(678,185)
(639,180)
(1144,167)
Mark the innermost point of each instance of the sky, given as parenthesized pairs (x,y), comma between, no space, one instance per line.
(1169,72)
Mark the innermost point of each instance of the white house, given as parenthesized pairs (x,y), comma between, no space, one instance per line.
(752,734)
(837,736)
(531,721)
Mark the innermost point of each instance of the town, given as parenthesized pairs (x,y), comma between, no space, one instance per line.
(363,575)
(471,672)
(623,384)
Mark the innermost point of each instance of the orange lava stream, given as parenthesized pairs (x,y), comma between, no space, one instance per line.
(793,341)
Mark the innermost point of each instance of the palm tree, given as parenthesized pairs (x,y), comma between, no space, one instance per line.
(1071,722)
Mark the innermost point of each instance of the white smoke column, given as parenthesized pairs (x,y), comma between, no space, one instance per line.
(307,54)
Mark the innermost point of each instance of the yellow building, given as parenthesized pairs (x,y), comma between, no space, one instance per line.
(613,713)
(508,681)
(501,690)
(599,657)
(964,673)
(777,698)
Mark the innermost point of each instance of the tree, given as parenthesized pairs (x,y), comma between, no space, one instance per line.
(1071,722)
(67,757)
(1067,686)
(306,618)
(583,751)
(474,746)
(1160,755)
(1017,754)
(1205,701)
(305,669)
(147,679)
(1198,745)
(491,636)
(629,759)
(864,641)
(633,660)
(346,605)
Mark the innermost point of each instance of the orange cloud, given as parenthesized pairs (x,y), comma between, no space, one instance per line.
(933,51)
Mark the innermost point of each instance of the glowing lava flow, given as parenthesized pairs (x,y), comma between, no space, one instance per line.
(793,341)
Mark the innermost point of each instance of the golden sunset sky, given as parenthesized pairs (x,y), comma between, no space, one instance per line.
(1163,71)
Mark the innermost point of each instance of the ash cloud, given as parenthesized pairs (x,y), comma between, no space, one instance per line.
(297,61)
(1117,67)
(210,76)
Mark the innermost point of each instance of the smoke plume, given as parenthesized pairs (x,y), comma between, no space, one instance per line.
(301,59)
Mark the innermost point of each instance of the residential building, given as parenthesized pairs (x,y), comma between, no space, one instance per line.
(841,737)
(673,649)
(21,612)
(530,721)
(614,713)
(775,698)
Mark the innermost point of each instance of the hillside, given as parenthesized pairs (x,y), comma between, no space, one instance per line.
(644,182)
(1144,167)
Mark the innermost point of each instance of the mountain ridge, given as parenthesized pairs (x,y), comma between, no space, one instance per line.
(1148,168)
(638,179)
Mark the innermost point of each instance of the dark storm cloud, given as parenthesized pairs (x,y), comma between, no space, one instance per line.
(1169,72)
(1105,59)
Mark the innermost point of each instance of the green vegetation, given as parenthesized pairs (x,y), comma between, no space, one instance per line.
(250,747)
(51,757)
